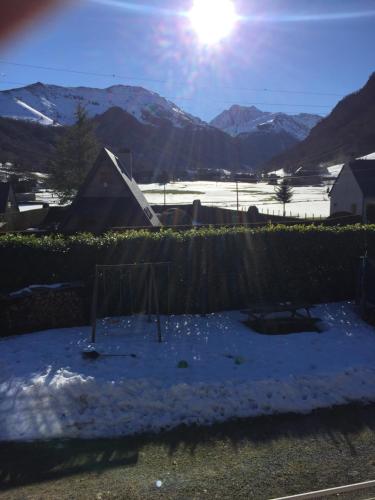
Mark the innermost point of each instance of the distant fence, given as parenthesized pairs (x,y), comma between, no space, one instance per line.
(289,213)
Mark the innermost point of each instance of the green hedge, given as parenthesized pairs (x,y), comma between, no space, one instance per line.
(213,269)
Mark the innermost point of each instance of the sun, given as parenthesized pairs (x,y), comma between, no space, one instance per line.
(212,20)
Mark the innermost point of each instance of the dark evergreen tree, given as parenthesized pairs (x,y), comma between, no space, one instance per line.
(284,193)
(75,155)
(163,178)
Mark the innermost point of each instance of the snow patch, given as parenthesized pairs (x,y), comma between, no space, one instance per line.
(48,390)
(280,173)
(29,289)
(36,115)
(335,170)
(370,156)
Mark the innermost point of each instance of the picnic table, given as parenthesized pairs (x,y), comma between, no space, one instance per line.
(263,311)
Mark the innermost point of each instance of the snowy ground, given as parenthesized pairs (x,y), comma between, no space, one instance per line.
(42,196)
(47,390)
(309,200)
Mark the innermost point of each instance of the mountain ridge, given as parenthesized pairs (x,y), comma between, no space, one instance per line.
(346,133)
(50,104)
(160,133)
(239,120)
(162,147)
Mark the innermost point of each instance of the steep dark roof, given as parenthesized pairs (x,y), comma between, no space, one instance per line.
(4,195)
(110,212)
(364,173)
(133,186)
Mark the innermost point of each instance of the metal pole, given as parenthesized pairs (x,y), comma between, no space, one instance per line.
(330,491)
(168,294)
(131,292)
(237,197)
(149,293)
(156,299)
(94,306)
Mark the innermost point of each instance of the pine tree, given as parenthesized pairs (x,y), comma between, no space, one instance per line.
(163,179)
(75,155)
(284,193)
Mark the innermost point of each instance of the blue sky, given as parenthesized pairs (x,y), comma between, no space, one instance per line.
(305,53)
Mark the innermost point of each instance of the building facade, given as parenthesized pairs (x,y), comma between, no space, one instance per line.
(354,190)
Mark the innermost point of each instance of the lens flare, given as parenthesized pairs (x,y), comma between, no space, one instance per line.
(212,20)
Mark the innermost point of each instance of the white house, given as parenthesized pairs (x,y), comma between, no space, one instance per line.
(354,190)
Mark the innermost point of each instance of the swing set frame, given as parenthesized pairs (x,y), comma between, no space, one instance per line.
(152,298)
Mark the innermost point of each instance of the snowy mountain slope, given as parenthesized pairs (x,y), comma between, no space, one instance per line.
(157,131)
(34,114)
(156,146)
(52,104)
(244,120)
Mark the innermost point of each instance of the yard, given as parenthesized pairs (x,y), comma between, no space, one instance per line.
(208,369)
(259,458)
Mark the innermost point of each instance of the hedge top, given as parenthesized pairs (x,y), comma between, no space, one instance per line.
(58,241)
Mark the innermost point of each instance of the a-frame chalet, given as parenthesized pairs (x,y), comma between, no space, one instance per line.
(109,197)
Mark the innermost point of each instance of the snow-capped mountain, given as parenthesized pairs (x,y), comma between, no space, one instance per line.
(246,120)
(156,130)
(55,105)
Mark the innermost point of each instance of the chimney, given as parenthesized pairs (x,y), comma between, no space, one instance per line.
(126,157)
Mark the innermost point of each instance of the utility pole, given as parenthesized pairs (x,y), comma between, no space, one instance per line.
(237,197)
(129,155)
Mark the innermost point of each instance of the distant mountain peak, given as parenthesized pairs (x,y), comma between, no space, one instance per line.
(238,120)
(33,87)
(54,104)
(237,107)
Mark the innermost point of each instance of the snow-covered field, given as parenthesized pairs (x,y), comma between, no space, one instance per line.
(48,390)
(310,200)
